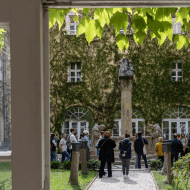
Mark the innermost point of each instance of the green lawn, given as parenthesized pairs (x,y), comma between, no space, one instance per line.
(5,176)
(59,178)
(165,186)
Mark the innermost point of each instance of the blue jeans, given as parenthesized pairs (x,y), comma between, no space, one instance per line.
(139,160)
(98,152)
(53,155)
(65,153)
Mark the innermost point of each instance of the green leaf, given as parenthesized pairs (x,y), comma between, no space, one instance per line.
(90,31)
(168,30)
(138,23)
(102,16)
(75,11)
(99,29)
(128,10)
(162,39)
(112,11)
(76,18)
(122,41)
(180,41)
(139,37)
(82,25)
(119,20)
(85,10)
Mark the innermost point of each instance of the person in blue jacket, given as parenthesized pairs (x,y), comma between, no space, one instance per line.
(176,147)
(139,149)
(125,154)
(102,136)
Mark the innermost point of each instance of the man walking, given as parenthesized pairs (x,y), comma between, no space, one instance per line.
(53,145)
(176,147)
(63,148)
(71,139)
(125,154)
(139,143)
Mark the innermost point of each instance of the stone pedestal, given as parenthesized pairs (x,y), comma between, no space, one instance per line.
(126,106)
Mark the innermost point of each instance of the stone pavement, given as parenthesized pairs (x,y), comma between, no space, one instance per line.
(138,179)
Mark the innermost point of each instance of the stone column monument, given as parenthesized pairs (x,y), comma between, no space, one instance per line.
(126,78)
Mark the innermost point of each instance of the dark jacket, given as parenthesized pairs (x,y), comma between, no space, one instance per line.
(125,145)
(188,143)
(106,151)
(177,146)
(139,144)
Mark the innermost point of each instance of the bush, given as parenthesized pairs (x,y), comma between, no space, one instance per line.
(181,171)
(93,164)
(155,164)
(67,165)
(55,164)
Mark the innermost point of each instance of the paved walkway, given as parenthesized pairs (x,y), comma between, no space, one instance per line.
(141,180)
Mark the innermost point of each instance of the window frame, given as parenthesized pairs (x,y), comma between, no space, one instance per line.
(176,70)
(75,71)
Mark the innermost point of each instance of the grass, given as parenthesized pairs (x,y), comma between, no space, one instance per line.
(59,178)
(5,176)
(161,182)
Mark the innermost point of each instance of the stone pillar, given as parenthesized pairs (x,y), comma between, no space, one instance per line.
(75,163)
(83,157)
(126,106)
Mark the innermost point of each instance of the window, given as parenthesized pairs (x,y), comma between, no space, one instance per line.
(177,71)
(175,120)
(176,27)
(73,26)
(74,72)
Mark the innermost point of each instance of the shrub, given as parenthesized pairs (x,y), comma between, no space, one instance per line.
(55,164)
(93,164)
(67,165)
(181,171)
(155,164)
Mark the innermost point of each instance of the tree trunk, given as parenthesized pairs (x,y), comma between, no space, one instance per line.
(169,171)
(84,161)
(74,168)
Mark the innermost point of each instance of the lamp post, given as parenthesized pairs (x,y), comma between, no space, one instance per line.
(75,163)
(167,159)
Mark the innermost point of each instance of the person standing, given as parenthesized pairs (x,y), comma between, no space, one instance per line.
(56,139)
(71,139)
(88,145)
(76,136)
(53,145)
(106,146)
(176,147)
(184,141)
(159,149)
(125,154)
(139,143)
(63,148)
(101,136)
(136,158)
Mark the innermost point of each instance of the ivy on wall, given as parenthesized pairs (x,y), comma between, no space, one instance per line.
(153,91)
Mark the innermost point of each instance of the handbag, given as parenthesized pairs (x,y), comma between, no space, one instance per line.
(144,148)
(103,143)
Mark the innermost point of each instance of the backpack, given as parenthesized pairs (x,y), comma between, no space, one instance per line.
(68,143)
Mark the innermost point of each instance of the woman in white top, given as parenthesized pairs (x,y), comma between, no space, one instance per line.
(184,141)
(63,148)
(88,145)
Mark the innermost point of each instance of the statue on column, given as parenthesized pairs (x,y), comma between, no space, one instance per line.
(157,132)
(96,132)
(126,68)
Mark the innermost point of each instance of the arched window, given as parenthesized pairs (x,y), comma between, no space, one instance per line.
(138,122)
(78,118)
(175,120)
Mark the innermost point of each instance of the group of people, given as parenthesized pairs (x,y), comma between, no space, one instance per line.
(180,147)
(105,150)
(65,145)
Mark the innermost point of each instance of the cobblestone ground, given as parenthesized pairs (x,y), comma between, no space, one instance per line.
(141,180)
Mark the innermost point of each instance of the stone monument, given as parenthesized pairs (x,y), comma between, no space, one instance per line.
(96,132)
(126,78)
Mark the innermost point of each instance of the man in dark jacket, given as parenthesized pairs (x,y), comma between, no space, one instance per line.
(176,147)
(106,146)
(125,154)
(139,149)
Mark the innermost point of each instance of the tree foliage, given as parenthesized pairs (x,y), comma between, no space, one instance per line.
(156,20)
